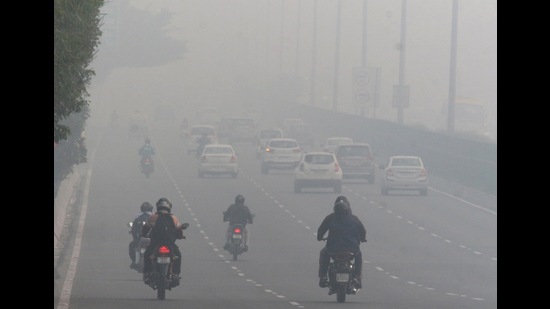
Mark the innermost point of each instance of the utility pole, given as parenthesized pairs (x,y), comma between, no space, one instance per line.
(452,72)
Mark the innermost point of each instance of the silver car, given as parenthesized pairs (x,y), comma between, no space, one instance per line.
(281,153)
(218,159)
(404,173)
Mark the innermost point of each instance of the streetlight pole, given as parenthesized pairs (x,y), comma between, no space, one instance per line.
(337,59)
(452,71)
(313,54)
(402,48)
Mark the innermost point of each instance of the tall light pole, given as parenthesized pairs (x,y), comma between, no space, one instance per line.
(337,59)
(313,54)
(402,48)
(452,71)
(282,31)
(298,39)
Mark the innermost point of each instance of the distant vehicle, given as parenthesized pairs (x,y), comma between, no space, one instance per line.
(218,159)
(288,122)
(332,143)
(356,161)
(263,136)
(197,132)
(237,129)
(281,153)
(301,133)
(318,169)
(404,173)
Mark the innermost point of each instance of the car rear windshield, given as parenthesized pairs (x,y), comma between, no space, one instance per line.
(319,159)
(406,162)
(202,130)
(214,150)
(354,150)
(283,144)
(270,134)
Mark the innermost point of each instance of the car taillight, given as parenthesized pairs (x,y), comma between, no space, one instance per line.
(389,172)
(164,250)
(369,157)
(204,159)
(336,167)
(423,172)
(237,230)
(297,150)
(233,159)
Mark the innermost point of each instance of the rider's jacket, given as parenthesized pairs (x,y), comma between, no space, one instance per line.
(238,213)
(345,232)
(146,151)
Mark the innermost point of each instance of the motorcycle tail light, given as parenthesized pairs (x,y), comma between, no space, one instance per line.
(237,230)
(164,250)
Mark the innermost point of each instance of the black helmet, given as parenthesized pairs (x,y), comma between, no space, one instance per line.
(146,206)
(342,205)
(239,199)
(164,203)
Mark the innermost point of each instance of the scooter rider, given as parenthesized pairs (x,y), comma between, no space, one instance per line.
(346,232)
(237,213)
(146,211)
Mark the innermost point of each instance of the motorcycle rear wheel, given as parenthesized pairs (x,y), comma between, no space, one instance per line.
(341,293)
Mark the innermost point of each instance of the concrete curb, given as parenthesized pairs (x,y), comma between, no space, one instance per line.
(65,196)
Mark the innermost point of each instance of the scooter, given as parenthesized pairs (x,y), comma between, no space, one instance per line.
(147,166)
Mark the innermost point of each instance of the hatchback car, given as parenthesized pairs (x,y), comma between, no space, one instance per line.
(218,159)
(263,136)
(281,153)
(356,161)
(405,173)
(318,169)
(332,143)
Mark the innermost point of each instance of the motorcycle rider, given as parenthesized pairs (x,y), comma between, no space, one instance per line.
(146,211)
(346,232)
(159,235)
(237,213)
(146,151)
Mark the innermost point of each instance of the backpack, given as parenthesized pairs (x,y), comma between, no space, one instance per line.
(164,230)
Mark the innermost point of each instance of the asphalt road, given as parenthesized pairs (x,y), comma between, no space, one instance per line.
(438,251)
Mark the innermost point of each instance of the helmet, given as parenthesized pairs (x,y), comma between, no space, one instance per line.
(164,203)
(147,140)
(341,205)
(146,206)
(239,199)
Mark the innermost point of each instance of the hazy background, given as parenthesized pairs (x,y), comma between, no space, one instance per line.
(235,49)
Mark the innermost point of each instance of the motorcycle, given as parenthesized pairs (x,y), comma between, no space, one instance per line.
(147,166)
(140,249)
(236,241)
(340,275)
(163,259)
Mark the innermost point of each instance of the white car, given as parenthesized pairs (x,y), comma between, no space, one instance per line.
(263,136)
(218,159)
(332,143)
(318,169)
(196,132)
(404,173)
(281,153)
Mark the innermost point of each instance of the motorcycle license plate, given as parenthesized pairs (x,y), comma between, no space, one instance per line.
(142,250)
(342,277)
(237,236)
(163,259)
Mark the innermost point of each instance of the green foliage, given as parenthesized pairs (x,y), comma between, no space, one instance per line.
(76,36)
